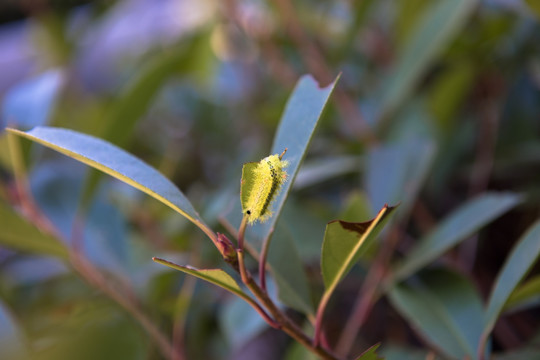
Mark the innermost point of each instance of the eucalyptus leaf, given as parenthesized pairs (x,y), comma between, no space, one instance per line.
(458,226)
(395,173)
(288,271)
(30,103)
(517,265)
(525,295)
(297,125)
(344,242)
(215,276)
(445,309)
(114,161)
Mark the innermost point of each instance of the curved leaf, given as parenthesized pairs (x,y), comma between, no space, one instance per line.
(457,227)
(296,127)
(288,271)
(525,295)
(29,103)
(116,162)
(518,264)
(395,173)
(344,242)
(215,276)
(445,309)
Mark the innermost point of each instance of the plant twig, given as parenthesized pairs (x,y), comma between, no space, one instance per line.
(280,320)
(262,260)
(368,295)
(286,324)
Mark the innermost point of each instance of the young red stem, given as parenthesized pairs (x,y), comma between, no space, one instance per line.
(241,233)
(262,263)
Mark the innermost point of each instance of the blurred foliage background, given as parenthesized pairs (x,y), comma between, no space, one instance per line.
(438,103)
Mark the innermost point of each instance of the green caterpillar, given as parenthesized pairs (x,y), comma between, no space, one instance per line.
(269,175)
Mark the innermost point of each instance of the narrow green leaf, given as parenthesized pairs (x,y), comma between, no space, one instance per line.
(458,226)
(19,234)
(296,128)
(396,172)
(344,242)
(370,354)
(215,276)
(30,102)
(525,295)
(320,170)
(433,32)
(288,271)
(116,162)
(445,309)
(518,264)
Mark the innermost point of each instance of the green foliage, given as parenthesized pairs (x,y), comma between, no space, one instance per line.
(115,162)
(445,308)
(436,110)
(344,243)
(518,264)
(459,225)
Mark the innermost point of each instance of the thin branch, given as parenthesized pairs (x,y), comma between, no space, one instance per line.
(368,294)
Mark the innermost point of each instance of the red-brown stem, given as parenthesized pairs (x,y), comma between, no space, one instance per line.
(246,279)
(286,324)
(262,261)
(280,320)
(242,232)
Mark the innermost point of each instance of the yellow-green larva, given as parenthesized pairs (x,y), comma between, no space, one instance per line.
(269,175)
